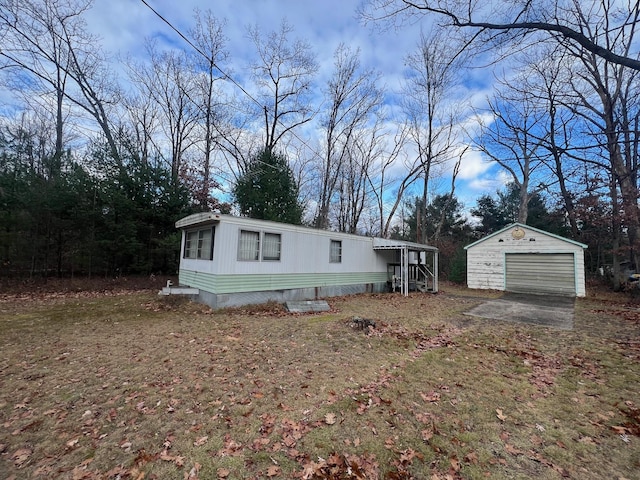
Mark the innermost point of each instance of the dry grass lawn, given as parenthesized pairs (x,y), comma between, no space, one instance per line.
(123,385)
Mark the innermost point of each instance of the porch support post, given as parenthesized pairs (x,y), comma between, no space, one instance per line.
(435,272)
(405,271)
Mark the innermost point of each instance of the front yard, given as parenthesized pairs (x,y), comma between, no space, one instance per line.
(123,385)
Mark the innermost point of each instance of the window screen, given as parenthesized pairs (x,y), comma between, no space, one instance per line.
(249,245)
(271,246)
(198,244)
(204,244)
(190,245)
(335,251)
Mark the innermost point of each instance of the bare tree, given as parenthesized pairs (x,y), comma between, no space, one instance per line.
(283,73)
(566,20)
(381,180)
(31,133)
(606,96)
(353,99)
(208,36)
(514,138)
(449,199)
(46,40)
(545,79)
(389,188)
(303,161)
(143,115)
(354,195)
(235,137)
(168,80)
(430,107)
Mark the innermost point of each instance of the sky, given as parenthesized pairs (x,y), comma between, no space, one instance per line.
(123,26)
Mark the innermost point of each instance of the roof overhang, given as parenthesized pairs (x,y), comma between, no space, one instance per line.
(196,219)
(387,244)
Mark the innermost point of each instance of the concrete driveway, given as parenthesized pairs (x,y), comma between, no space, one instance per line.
(545,310)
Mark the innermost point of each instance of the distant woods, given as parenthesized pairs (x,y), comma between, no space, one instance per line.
(101,154)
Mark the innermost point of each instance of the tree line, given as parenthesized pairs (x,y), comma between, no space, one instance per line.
(95,167)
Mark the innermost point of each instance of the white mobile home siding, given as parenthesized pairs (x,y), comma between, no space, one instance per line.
(487,259)
(303,271)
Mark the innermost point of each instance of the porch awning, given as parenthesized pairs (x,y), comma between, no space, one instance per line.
(387,244)
(404,248)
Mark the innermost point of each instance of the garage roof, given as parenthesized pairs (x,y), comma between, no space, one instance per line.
(564,239)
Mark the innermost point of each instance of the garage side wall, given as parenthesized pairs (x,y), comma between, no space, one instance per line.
(486,267)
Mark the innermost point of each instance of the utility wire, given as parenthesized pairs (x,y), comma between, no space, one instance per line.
(210,60)
(197,49)
(225,75)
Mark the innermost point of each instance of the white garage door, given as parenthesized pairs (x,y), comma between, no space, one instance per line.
(550,273)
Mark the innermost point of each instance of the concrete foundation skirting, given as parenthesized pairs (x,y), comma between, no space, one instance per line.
(223,300)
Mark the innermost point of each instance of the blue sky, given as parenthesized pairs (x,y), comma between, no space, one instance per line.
(123,26)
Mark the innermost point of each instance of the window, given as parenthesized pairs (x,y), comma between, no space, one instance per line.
(249,246)
(335,251)
(199,244)
(271,246)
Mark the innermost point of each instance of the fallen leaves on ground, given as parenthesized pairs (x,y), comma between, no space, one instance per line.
(169,392)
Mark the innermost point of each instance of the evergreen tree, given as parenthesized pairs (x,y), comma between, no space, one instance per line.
(458,266)
(491,217)
(268,190)
(138,204)
(446,228)
(442,211)
(96,215)
(499,211)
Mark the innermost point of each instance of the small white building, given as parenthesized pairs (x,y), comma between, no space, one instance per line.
(237,261)
(523,259)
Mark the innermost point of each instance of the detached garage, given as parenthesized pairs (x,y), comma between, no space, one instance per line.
(523,259)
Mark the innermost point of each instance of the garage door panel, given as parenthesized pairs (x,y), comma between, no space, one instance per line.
(540,273)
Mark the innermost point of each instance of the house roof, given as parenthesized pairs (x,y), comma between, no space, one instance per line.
(528,227)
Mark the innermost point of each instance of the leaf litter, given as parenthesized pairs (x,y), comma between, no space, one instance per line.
(138,390)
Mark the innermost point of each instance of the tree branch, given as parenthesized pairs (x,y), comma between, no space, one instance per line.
(565,31)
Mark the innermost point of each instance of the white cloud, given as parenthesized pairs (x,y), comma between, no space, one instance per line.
(490,182)
(123,26)
(473,165)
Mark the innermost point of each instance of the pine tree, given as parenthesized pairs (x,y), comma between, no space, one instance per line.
(268,190)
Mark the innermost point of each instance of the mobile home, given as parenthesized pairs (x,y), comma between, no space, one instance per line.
(231,261)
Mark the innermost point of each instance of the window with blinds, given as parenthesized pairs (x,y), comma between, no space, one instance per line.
(199,244)
(249,246)
(271,247)
(335,251)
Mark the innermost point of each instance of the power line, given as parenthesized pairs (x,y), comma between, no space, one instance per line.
(209,59)
(225,75)
(197,49)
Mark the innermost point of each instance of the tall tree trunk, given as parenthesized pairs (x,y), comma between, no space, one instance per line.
(628,190)
(615,241)
(523,204)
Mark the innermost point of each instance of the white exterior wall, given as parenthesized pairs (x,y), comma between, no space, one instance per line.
(303,272)
(486,258)
(303,250)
